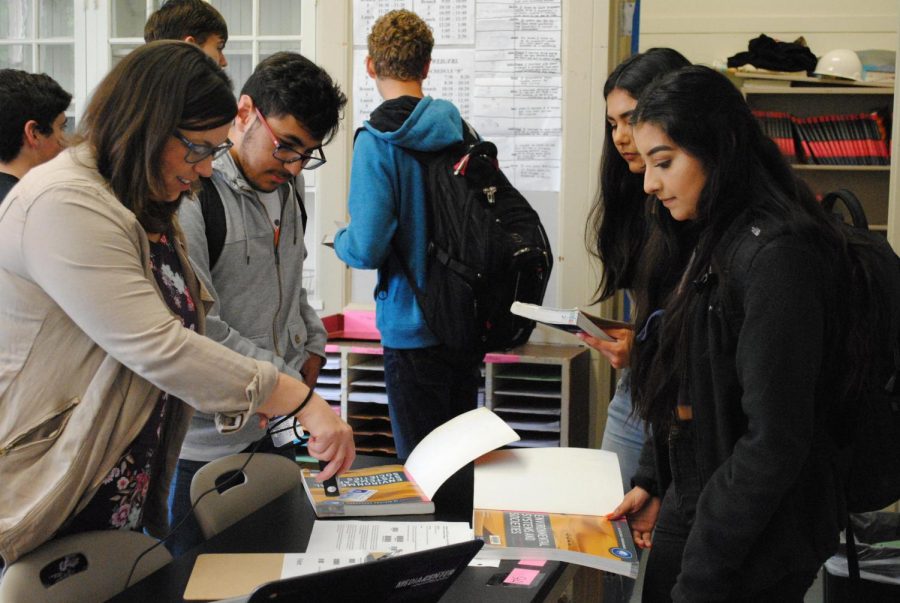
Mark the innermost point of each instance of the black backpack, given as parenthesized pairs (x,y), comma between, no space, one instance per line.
(872,429)
(871,436)
(214,222)
(486,249)
(867,430)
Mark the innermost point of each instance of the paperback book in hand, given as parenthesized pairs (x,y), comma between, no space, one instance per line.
(572,320)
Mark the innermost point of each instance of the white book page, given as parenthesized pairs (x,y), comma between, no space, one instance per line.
(576,481)
(460,440)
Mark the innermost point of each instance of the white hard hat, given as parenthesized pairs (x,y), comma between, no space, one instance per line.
(840,63)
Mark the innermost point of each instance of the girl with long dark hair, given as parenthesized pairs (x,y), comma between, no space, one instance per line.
(616,233)
(747,357)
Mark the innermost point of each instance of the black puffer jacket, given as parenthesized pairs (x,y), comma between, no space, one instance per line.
(761,386)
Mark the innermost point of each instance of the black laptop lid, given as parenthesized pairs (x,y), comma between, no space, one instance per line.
(420,577)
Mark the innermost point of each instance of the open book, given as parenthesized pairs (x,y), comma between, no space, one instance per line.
(408,489)
(572,320)
(550,503)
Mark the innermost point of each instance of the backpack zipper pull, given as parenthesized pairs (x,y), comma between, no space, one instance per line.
(489,193)
(460,167)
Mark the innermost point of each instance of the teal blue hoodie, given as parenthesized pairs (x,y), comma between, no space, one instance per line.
(387,201)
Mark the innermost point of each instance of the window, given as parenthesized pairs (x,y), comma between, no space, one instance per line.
(260,28)
(77,42)
(40,36)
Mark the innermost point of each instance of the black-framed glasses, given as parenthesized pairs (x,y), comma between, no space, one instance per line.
(286,154)
(198,152)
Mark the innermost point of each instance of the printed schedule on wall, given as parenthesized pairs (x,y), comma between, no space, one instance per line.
(500,62)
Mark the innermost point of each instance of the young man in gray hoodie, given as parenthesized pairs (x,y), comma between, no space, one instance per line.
(245,240)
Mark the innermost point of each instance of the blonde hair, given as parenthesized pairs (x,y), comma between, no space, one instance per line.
(400,45)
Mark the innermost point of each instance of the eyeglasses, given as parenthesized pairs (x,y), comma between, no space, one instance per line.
(198,152)
(286,154)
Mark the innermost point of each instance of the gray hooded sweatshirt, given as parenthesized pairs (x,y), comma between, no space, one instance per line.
(261,308)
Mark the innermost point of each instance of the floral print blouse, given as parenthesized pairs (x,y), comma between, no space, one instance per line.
(119,502)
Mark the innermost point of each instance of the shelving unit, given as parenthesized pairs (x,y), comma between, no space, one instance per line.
(870,183)
(540,390)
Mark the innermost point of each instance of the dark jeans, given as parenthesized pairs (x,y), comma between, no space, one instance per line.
(188,535)
(676,517)
(427,387)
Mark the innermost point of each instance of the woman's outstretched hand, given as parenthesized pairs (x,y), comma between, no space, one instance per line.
(642,510)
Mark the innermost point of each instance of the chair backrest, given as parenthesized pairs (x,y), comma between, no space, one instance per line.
(90,566)
(265,478)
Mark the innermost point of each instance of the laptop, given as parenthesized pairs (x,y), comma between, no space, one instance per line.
(420,577)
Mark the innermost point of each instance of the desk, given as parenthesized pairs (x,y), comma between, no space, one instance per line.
(285,524)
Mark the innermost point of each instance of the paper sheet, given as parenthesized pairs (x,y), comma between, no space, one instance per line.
(394,537)
(500,63)
(301,564)
(576,481)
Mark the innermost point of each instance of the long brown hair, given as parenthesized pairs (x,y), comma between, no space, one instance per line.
(156,89)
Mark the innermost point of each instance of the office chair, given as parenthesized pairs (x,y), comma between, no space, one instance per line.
(265,478)
(90,566)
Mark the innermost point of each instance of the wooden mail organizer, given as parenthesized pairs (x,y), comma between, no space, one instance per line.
(540,390)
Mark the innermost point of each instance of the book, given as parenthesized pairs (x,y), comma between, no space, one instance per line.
(384,490)
(408,489)
(551,503)
(589,540)
(572,320)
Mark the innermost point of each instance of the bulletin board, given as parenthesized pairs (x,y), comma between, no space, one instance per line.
(499,62)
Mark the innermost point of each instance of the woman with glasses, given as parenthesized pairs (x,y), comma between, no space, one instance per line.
(101,360)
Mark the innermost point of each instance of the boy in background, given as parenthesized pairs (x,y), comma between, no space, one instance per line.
(32,123)
(193,21)
(427,383)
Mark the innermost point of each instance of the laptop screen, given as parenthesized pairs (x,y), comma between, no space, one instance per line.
(418,577)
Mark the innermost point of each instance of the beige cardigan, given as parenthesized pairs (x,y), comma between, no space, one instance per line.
(86,345)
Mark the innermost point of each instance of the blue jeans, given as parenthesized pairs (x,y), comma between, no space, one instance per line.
(188,535)
(427,387)
(623,435)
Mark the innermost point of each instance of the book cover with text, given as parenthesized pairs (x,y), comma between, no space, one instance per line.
(590,540)
(385,490)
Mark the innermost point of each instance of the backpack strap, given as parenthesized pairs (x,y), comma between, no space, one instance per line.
(302,206)
(213,219)
(851,202)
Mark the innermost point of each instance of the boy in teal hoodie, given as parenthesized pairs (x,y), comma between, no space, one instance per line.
(427,384)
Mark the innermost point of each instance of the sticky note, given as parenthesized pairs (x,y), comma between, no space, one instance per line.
(521,576)
(533,562)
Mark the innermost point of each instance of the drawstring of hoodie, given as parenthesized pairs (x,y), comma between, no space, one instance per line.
(246,236)
(291,198)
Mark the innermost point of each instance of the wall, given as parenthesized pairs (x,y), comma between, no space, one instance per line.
(707,30)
